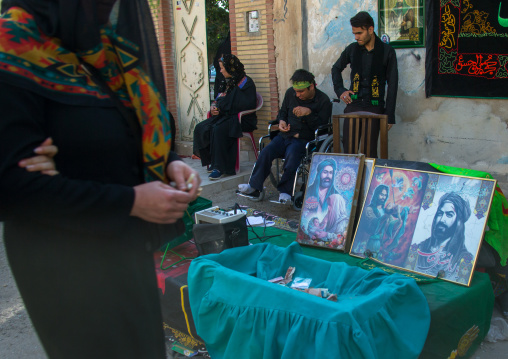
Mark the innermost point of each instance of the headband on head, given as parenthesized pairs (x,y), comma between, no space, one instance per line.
(300,85)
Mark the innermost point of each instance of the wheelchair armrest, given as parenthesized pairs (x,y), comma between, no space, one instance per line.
(311,142)
(322,130)
(261,139)
(321,133)
(273,127)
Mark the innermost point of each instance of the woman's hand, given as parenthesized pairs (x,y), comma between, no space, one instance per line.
(43,160)
(184,177)
(159,203)
(214,110)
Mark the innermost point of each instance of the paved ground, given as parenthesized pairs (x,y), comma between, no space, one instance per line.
(19,341)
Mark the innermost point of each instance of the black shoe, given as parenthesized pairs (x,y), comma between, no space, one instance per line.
(254,196)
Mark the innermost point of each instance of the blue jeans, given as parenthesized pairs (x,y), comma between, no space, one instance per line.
(291,149)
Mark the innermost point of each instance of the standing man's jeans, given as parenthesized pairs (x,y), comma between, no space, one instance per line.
(291,149)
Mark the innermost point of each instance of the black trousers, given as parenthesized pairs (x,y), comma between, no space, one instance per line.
(213,144)
(290,148)
(88,295)
(374,129)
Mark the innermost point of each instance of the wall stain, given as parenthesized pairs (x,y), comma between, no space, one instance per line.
(327,5)
(333,35)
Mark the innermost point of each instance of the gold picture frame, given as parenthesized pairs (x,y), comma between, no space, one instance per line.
(424,222)
(402,23)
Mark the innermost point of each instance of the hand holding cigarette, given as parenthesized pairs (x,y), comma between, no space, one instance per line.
(184,178)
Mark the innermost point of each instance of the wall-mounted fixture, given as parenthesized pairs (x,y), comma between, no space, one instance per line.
(253,21)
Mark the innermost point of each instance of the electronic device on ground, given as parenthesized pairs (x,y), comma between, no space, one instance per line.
(217,215)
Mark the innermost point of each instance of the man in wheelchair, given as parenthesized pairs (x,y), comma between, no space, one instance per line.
(303,110)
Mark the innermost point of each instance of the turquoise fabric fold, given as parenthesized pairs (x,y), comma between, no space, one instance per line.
(239,314)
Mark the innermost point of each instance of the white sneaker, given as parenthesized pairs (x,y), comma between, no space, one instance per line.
(245,188)
(284,198)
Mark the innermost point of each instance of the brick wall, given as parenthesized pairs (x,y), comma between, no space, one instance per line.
(255,50)
(164,26)
(257,53)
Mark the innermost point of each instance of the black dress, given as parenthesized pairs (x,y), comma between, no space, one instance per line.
(215,138)
(83,265)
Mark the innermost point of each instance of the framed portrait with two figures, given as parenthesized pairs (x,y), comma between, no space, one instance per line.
(402,22)
(424,222)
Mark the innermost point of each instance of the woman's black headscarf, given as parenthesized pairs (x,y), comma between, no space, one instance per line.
(235,68)
(77,23)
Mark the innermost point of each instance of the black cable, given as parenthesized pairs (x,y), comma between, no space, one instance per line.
(264,237)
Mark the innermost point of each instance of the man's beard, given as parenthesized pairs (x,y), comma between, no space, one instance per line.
(381,202)
(442,231)
(325,183)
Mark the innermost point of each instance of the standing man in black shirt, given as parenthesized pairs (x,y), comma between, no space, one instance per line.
(373,66)
(303,110)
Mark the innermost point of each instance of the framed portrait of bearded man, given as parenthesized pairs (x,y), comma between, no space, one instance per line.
(428,223)
(402,22)
(330,201)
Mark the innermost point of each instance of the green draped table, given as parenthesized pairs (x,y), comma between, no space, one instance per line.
(460,316)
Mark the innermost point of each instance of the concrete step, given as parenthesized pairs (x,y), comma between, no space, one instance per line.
(229,183)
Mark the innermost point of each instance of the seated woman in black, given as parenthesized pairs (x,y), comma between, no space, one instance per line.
(215,138)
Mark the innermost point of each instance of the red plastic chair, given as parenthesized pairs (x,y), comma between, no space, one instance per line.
(250,135)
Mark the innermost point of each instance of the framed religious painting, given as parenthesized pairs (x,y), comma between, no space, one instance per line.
(330,200)
(402,22)
(368,167)
(424,222)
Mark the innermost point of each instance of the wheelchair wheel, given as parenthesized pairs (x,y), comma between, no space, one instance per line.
(298,201)
(327,145)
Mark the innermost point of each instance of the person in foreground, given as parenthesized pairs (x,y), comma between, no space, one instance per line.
(373,66)
(80,242)
(303,110)
(215,138)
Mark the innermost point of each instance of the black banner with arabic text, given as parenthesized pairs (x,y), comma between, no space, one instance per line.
(467,48)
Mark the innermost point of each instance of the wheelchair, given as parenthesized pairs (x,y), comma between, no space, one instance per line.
(322,143)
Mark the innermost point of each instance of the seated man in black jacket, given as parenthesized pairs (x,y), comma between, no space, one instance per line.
(303,109)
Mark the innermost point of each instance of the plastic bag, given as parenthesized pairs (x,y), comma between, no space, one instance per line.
(498,330)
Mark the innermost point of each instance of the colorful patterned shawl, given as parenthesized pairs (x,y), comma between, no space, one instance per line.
(36,62)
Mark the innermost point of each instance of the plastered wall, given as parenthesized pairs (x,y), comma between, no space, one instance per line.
(465,133)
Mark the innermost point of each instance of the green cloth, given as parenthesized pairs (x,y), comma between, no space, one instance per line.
(239,314)
(455,310)
(497,234)
(301,85)
(197,205)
